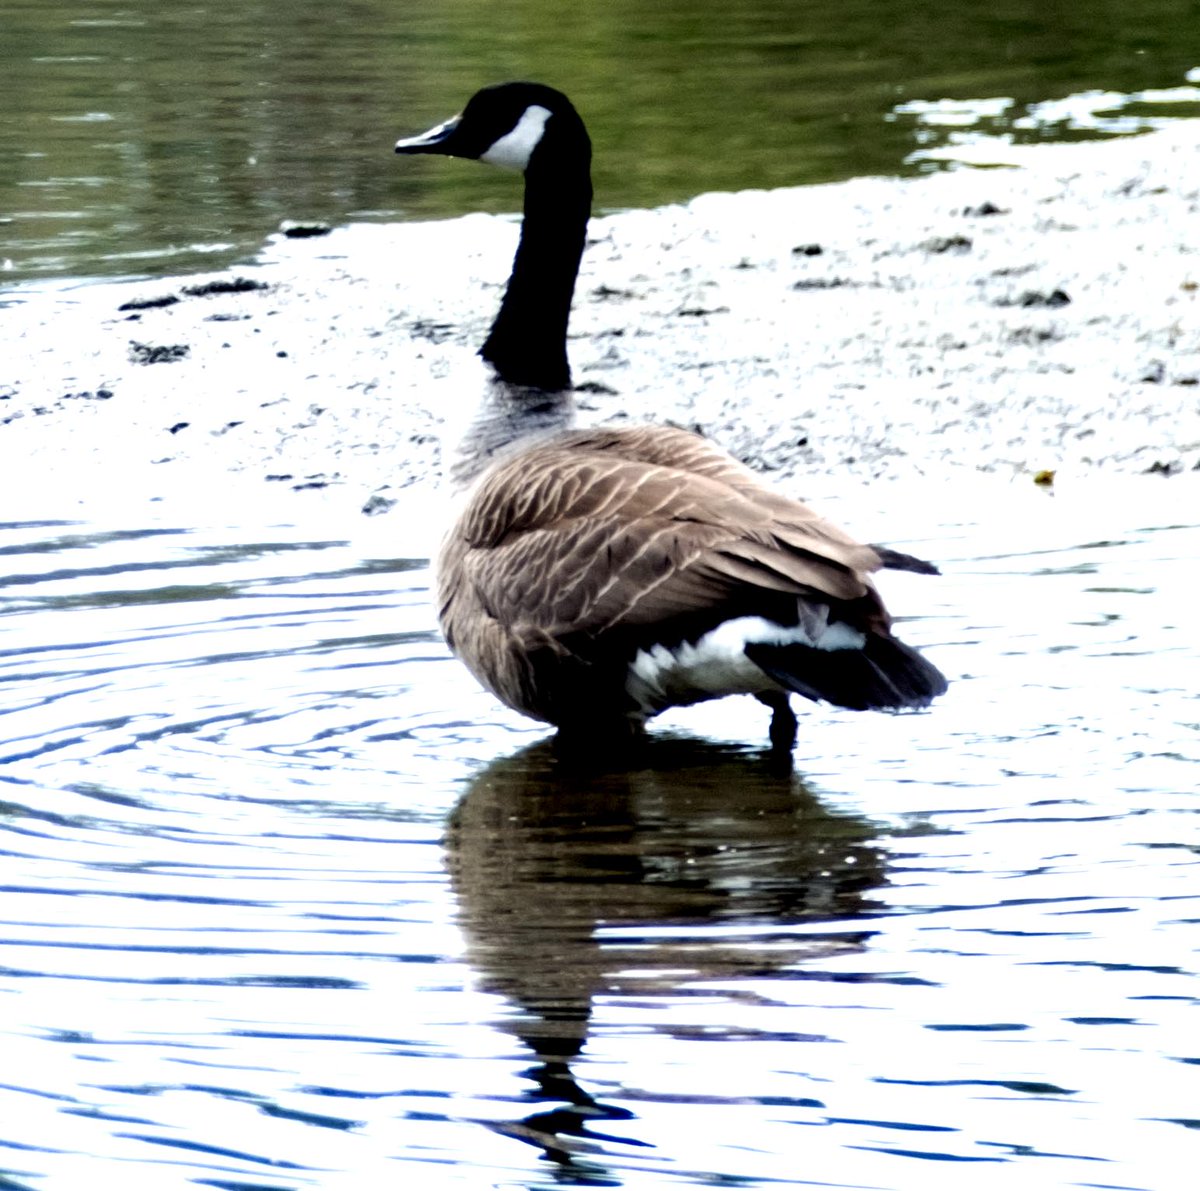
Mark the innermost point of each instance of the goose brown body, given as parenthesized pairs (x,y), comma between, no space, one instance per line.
(595,577)
(578,554)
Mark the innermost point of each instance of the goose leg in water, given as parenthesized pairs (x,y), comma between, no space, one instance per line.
(783,721)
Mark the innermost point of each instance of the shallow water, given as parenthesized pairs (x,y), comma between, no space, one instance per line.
(156,138)
(287,903)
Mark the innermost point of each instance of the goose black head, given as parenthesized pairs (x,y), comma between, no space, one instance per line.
(505,124)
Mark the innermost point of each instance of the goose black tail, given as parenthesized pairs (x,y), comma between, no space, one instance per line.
(897,560)
(884,675)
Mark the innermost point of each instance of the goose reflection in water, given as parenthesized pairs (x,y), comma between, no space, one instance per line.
(693,866)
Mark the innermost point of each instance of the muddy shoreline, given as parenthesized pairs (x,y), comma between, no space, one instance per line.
(982,324)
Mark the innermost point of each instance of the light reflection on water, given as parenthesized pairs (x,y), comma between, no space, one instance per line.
(288,903)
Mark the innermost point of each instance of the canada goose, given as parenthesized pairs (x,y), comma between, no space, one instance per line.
(594,578)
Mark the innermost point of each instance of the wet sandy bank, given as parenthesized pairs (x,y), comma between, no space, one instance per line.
(985,323)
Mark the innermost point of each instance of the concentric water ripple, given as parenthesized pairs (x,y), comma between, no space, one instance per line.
(287,903)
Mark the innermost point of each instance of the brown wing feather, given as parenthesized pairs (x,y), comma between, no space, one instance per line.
(620,530)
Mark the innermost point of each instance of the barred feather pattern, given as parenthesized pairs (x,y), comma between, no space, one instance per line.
(577,557)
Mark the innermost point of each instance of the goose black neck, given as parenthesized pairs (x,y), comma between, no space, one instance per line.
(528,341)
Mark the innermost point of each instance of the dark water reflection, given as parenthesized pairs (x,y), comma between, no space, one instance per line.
(286,903)
(704,865)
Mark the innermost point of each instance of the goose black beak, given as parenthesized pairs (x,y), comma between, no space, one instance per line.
(437,140)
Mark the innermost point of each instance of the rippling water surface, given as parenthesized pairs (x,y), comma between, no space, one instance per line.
(287,903)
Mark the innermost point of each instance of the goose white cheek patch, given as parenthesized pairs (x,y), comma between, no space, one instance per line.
(515,148)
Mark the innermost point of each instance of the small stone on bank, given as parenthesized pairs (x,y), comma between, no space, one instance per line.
(297,229)
(166,353)
(237,285)
(149,303)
